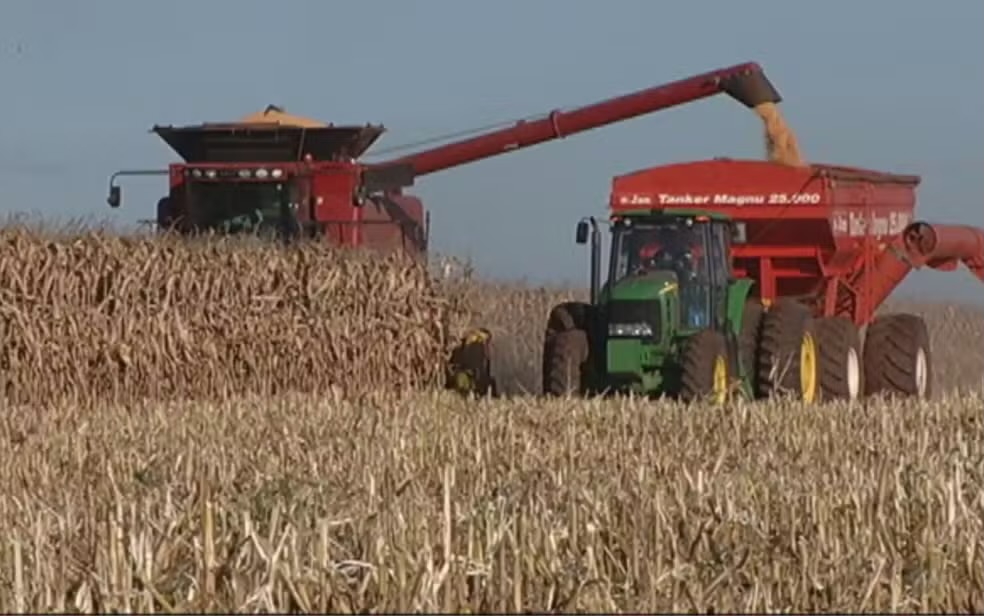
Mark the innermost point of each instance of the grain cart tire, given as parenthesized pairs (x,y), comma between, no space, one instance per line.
(839,359)
(565,358)
(704,368)
(897,357)
(787,360)
(748,340)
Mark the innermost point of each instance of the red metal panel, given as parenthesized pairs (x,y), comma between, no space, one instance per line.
(333,187)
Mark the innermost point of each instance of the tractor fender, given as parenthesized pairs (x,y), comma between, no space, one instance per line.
(738,292)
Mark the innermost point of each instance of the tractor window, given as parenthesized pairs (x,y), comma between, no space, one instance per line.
(654,246)
(239,207)
(675,246)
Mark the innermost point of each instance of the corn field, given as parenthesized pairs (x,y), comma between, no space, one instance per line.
(229,426)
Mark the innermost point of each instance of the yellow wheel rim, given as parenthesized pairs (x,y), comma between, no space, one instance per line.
(463,382)
(808,368)
(720,392)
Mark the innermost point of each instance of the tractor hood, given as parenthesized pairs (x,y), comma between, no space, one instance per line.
(648,286)
(268,136)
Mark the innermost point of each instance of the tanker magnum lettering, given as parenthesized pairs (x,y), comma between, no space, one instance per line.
(732,199)
(855,223)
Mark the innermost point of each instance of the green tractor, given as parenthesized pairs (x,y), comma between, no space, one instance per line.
(673,320)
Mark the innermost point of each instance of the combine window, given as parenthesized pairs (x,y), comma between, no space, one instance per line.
(241,207)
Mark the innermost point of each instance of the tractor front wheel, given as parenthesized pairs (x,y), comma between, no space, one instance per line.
(565,358)
(839,355)
(704,364)
(897,357)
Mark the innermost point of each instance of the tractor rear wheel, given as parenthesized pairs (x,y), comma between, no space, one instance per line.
(839,357)
(704,366)
(748,340)
(897,357)
(565,358)
(787,360)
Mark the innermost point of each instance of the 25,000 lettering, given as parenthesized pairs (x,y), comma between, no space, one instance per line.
(793,199)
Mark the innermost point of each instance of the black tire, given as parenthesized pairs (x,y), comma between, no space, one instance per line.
(563,317)
(748,341)
(839,359)
(898,357)
(565,359)
(787,327)
(701,353)
(165,215)
(569,315)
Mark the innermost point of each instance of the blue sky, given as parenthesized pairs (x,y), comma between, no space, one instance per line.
(896,85)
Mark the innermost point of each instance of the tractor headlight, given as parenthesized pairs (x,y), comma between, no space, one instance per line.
(210,174)
(277,173)
(261,174)
(245,173)
(630,330)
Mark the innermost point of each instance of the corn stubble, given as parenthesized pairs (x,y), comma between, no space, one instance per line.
(122,493)
(433,503)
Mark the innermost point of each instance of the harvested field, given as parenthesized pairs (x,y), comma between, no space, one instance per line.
(99,317)
(432,503)
(286,487)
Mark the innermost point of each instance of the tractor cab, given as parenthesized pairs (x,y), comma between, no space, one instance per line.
(680,256)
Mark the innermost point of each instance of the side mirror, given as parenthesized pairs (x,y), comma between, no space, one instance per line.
(581,235)
(115,196)
(738,233)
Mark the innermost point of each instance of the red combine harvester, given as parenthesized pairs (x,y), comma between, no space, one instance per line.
(295,177)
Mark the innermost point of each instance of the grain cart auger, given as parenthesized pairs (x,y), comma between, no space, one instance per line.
(290,177)
(757,278)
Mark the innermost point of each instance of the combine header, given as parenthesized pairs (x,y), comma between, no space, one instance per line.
(755,276)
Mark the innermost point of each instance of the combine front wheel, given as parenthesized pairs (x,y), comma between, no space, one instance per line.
(839,358)
(897,357)
(787,358)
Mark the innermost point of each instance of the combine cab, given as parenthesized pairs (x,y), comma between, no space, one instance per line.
(754,277)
